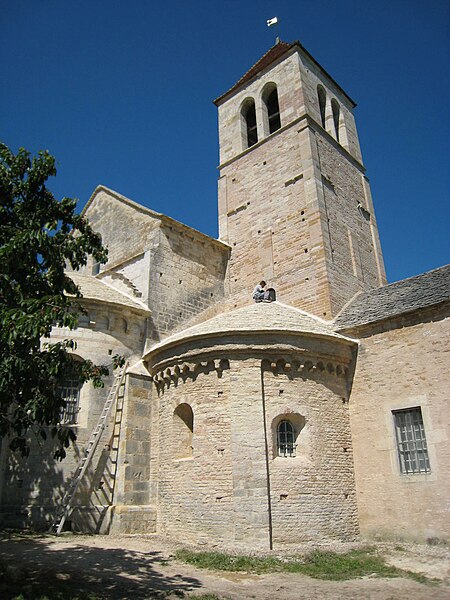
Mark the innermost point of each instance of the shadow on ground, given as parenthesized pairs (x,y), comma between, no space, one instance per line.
(33,568)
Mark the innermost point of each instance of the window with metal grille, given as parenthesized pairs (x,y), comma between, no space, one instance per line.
(70,392)
(286,439)
(411,441)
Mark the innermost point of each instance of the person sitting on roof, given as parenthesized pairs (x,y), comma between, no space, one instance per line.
(260,294)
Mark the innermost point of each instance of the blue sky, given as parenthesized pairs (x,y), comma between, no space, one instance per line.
(121,93)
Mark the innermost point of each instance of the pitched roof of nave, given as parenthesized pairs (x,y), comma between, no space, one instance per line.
(169,221)
(258,318)
(94,289)
(405,296)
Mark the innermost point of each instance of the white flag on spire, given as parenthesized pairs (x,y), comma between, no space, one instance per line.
(271,22)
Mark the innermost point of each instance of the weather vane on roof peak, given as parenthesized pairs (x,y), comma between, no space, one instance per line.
(271,23)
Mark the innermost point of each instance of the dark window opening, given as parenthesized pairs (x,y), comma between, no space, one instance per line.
(273,111)
(250,121)
(336,115)
(322,103)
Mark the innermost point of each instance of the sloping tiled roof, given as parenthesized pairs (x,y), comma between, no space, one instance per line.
(271,56)
(401,297)
(93,289)
(268,58)
(259,318)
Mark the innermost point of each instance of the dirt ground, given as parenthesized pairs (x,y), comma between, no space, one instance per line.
(143,567)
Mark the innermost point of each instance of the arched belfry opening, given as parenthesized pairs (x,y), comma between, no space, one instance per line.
(322,104)
(336,117)
(270,101)
(248,113)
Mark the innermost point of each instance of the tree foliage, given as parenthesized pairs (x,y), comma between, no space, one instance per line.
(39,236)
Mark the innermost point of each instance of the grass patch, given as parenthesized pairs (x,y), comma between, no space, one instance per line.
(204,597)
(316,564)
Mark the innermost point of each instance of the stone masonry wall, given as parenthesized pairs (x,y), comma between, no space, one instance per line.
(196,493)
(288,206)
(273,223)
(313,494)
(356,262)
(402,364)
(32,487)
(124,227)
(133,510)
(186,277)
(218,494)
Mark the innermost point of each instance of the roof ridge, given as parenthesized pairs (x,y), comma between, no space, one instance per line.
(261,59)
(411,277)
(308,314)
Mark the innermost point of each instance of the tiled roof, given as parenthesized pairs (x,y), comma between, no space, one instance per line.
(93,289)
(401,297)
(269,57)
(259,318)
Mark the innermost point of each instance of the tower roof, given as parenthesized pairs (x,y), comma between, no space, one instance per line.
(267,59)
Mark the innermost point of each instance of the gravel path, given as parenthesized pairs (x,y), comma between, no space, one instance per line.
(142,567)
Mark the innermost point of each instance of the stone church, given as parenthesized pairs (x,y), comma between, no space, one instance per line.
(321,416)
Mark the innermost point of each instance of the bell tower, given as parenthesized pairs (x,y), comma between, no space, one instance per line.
(294,201)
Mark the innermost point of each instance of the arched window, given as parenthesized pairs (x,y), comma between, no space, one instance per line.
(249,115)
(69,391)
(286,445)
(336,116)
(270,99)
(183,429)
(102,321)
(84,320)
(322,103)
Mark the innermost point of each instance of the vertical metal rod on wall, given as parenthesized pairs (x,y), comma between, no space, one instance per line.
(266,447)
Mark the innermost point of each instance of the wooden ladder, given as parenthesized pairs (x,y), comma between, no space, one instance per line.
(115,394)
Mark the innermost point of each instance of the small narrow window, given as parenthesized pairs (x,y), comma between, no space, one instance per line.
(249,114)
(411,441)
(273,111)
(70,393)
(336,116)
(286,445)
(183,423)
(322,103)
